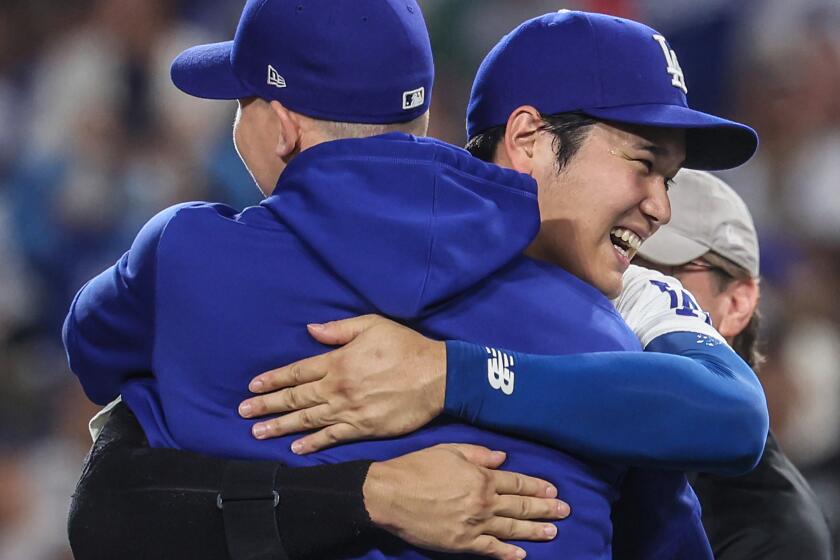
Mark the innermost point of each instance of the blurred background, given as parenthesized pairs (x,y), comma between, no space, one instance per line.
(94,140)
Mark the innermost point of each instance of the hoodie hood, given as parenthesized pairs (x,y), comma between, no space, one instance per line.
(407,222)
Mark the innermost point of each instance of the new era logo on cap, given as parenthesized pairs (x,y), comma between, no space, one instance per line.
(413,98)
(274,78)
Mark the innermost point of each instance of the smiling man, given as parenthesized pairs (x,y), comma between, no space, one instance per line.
(625,167)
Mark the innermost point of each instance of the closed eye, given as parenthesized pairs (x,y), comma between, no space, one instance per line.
(647,163)
(668,182)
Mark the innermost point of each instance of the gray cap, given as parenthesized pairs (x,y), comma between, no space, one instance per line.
(706,215)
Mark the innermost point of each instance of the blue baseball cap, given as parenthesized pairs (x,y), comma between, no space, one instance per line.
(609,68)
(362,61)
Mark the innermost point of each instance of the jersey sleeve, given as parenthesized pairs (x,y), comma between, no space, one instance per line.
(653,304)
(108,333)
(685,405)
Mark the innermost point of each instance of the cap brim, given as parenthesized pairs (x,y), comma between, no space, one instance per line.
(205,71)
(712,143)
(668,247)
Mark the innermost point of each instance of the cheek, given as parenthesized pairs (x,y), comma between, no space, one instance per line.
(240,133)
(239,145)
(247,143)
(610,196)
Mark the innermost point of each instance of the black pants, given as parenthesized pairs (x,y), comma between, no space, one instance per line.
(135,502)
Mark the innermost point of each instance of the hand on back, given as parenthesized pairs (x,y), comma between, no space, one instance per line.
(386,381)
(451,498)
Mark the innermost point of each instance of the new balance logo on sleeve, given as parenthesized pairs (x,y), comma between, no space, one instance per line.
(499,372)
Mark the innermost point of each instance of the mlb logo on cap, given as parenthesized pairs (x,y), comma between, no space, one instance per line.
(413,98)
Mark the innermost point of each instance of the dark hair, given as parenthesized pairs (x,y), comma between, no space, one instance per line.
(569,130)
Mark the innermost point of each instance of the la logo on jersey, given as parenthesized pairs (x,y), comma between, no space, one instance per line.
(677,76)
(274,78)
(499,372)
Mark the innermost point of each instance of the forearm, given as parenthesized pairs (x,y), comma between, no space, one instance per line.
(702,410)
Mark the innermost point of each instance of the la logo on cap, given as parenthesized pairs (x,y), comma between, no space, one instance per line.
(413,98)
(274,78)
(677,76)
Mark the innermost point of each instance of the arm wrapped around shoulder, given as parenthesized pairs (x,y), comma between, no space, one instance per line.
(737,410)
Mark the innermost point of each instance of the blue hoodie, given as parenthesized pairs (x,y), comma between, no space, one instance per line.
(206,298)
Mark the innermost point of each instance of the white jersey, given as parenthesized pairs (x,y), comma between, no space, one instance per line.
(653,304)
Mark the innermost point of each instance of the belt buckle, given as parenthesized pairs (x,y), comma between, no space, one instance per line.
(220,501)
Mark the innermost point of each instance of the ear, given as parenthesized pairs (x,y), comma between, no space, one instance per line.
(741,299)
(518,145)
(288,132)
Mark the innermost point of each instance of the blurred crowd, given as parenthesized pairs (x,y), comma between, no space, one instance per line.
(94,141)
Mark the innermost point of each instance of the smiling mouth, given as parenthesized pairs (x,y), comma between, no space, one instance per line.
(625,242)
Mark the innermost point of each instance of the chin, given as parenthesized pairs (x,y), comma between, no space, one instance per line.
(613,291)
(610,285)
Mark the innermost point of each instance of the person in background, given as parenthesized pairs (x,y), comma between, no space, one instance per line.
(711,246)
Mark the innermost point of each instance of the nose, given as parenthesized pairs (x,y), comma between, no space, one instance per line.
(656,206)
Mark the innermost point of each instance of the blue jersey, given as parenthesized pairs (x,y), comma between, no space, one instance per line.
(206,298)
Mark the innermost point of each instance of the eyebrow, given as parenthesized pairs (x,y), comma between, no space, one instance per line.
(654,149)
(657,150)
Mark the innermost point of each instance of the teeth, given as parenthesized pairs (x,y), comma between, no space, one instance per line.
(633,240)
(622,250)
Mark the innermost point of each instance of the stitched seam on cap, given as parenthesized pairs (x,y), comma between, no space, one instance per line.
(254,88)
(413,51)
